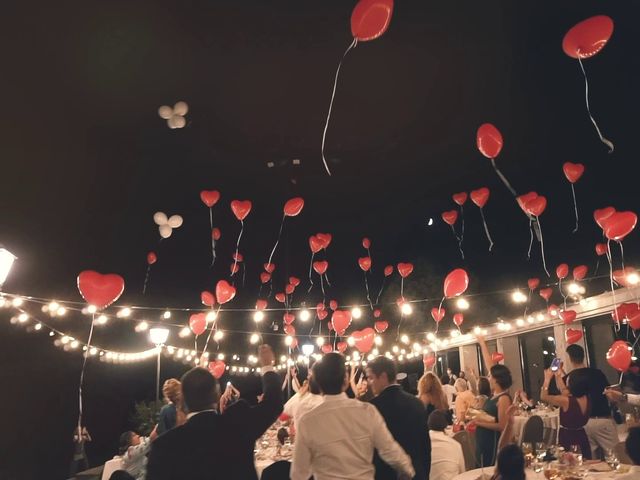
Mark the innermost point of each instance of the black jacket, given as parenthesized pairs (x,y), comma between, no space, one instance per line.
(211,446)
(407,421)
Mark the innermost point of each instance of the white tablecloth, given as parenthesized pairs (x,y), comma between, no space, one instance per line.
(551,422)
(634,473)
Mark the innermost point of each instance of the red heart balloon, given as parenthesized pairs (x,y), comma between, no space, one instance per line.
(619,225)
(580,272)
(626,277)
(265,277)
(152,258)
(497,357)
(602,214)
(217,368)
(546,293)
(341,347)
(568,316)
(456,283)
(363,339)
(288,318)
(634,319)
(450,217)
(289,330)
(366,243)
(625,311)
(293,207)
(320,267)
(365,263)
(341,320)
(325,238)
(458,318)
(588,37)
(370,19)
(480,196)
(573,171)
(320,306)
(381,326)
(237,257)
(399,301)
(280,297)
(241,208)
(100,290)
(224,291)
(537,206)
(377,313)
(295,281)
(438,313)
(429,360)
(322,314)
(326,348)
(261,304)
(198,323)
(460,198)
(388,270)
(619,356)
(601,249)
(572,335)
(209,197)
(289,289)
(533,283)
(489,140)
(405,269)
(269,267)
(216,234)
(333,305)
(207,298)
(562,271)
(234,268)
(315,244)
(523,199)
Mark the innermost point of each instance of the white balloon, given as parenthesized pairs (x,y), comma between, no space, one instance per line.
(181,108)
(160,218)
(175,221)
(165,111)
(179,121)
(165,231)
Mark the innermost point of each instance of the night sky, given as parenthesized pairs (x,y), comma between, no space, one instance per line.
(86,161)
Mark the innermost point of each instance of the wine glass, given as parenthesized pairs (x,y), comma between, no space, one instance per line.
(611,459)
(577,454)
(541,449)
(551,471)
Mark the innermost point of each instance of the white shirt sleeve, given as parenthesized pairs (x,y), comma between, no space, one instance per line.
(301,462)
(633,399)
(387,447)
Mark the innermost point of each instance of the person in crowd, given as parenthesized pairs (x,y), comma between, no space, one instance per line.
(121,475)
(291,381)
(451,375)
(616,396)
(472,379)
(488,432)
(601,429)
(462,376)
(230,396)
(404,415)
(359,387)
(484,392)
(632,444)
(171,414)
(464,399)
(447,459)
(574,410)
(209,445)
(307,398)
(338,437)
(522,397)
(133,450)
(431,394)
(80,461)
(448,389)
(510,462)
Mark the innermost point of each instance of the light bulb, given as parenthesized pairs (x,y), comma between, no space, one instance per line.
(53,306)
(17,302)
(462,304)
(61,311)
(218,335)
(633,278)
(404,339)
(351,342)
(142,326)
(477,330)
(92,309)
(102,319)
(93,351)
(540,317)
(74,344)
(38,326)
(377,340)
(184,332)
(258,316)
(283,358)
(406,308)
(166,315)
(356,312)
(124,312)
(255,338)
(288,341)
(307,349)
(518,297)
(320,341)
(211,316)
(394,349)
(304,315)
(520,322)
(573,288)
(221,356)
(417,347)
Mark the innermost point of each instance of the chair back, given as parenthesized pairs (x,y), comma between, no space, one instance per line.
(468,449)
(533,430)
(621,452)
(277,471)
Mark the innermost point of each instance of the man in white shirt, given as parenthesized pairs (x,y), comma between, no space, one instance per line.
(307,398)
(447,459)
(336,439)
(448,389)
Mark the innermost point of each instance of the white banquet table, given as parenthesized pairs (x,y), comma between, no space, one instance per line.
(633,473)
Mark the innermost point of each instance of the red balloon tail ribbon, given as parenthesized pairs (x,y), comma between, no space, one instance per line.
(146,279)
(486,229)
(310,269)
(235,257)
(366,284)
(526,307)
(575,207)
(462,219)
(544,260)
(402,286)
(333,95)
(564,297)
(213,328)
(326,279)
(84,364)
(502,177)
(322,288)
(530,238)
(613,291)
(604,140)
(277,239)
(621,253)
(439,313)
(369,255)
(244,272)
(384,279)
(213,240)
(459,240)
(595,270)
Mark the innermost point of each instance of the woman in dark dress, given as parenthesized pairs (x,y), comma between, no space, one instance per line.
(171,414)
(574,411)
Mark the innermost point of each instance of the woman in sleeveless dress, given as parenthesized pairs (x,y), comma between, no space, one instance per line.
(432,396)
(574,411)
(488,433)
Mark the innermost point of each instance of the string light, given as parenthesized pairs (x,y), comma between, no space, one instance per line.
(124,312)
(304,315)
(211,316)
(141,326)
(462,304)
(288,340)
(518,297)
(61,311)
(255,338)
(404,339)
(92,309)
(320,341)
(377,340)
(23,317)
(101,320)
(356,312)
(38,326)
(218,335)
(184,332)
(520,322)
(633,278)
(166,315)
(406,308)
(221,356)
(17,302)
(258,316)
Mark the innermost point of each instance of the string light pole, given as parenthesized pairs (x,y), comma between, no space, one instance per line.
(158,337)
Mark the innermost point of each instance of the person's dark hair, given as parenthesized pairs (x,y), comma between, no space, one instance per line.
(199,390)
(462,375)
(510,463)
(502,376)
(633,445)
(576,353)
(329,373)
(121,475)
(313,386)
(437,421)
(484,387)
(444,379)
(578,386)
(125,442)
(382,364)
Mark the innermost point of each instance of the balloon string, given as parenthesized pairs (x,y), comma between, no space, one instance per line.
(486,229)
(371,267)
(244,272)
(84,364)
(213,240)
(213,327)
(270,288)
(322,288)
(459,240)
(310,268)
(333,94)
(530,238)
(278,239)
(366,284)
(595,270)
(384,279)
(575,207)
(613,291)
(462,217)
(622,254)
(544,261)
(146,279)
(235,257)
(502,177)
(604,140)
(564,297)
(526,307)
(402,287)
(439,310)
(326,277)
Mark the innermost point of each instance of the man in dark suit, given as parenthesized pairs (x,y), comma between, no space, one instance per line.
(211,446)
(405,416)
